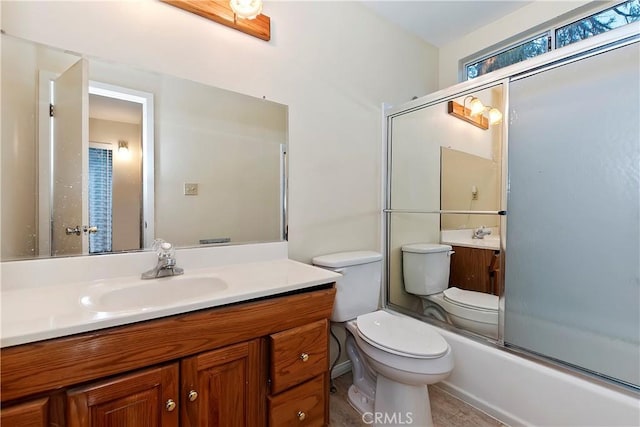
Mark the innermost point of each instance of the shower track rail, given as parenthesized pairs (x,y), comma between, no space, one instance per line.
(445,212)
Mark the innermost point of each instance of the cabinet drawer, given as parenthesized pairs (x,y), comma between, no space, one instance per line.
(303,405)
(298,354)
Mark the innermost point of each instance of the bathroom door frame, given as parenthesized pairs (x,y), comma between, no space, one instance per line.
(146,99)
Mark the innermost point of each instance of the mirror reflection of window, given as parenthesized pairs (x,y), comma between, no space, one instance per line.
(100,198)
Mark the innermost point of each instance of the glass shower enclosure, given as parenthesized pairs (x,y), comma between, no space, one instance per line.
(572,268)
(556,183)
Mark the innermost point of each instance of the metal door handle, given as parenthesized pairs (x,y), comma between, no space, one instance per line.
(92,229)
(76,230)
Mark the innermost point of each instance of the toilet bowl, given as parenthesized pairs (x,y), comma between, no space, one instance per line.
(470,310)
(425,269)
(393,357)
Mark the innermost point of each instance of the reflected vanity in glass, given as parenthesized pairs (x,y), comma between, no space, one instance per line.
(130,155)
(442,222)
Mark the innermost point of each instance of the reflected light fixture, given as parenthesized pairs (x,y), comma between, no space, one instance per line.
(495,116)
(123,147)
(475,105)
(246,9)
(474,112)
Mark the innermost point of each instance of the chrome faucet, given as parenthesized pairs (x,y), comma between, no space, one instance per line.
(166,265)
(480,232)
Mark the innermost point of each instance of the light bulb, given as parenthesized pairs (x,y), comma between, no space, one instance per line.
(476,106)
(247,9)
(495,116)
(123,150)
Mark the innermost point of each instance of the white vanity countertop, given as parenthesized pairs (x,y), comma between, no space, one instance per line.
(34,314)
(464,238)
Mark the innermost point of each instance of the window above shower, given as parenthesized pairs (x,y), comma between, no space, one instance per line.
(554,36)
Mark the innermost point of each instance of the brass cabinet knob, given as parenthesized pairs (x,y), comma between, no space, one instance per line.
(193,395)
(170,405)
(304,357)
(301,416)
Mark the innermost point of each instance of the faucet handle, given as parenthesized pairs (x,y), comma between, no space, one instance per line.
(163,248)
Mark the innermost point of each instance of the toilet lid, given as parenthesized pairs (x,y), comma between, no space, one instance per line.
(471,299)
(401,335)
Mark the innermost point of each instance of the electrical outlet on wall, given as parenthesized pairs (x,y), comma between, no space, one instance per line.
(190,189)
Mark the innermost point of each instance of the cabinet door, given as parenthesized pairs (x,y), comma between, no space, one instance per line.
(470,270)
(143,399)
(225,387)
(29,414)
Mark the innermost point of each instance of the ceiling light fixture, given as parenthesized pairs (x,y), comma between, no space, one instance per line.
(246,9)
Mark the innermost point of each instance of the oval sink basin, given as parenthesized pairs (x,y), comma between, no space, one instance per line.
(146,294)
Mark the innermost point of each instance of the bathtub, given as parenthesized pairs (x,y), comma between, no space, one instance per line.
(519,391)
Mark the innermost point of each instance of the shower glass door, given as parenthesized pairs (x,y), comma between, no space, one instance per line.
(573,256)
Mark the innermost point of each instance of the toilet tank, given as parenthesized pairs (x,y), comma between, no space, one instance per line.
(425,268)
(358,290)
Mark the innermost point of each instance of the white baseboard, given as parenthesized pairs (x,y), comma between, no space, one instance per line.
(341,368)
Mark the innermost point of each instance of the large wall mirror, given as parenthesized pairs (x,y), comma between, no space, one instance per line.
(126,156)
(445,188)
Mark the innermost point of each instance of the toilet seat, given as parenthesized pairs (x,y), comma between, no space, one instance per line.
(471,299)
(402,336)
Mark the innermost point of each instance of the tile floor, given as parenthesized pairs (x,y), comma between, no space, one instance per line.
(447,410)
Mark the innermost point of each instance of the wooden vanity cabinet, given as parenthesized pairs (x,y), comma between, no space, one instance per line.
(144,398)
(224,387)
(215,389)
(34,413)
(299,376)
(247,365)
(475,269)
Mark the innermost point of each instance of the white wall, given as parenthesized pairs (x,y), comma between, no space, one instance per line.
(332,63)
(536,13)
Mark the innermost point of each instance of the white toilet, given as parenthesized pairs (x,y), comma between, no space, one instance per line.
(393,357)
(425,269)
